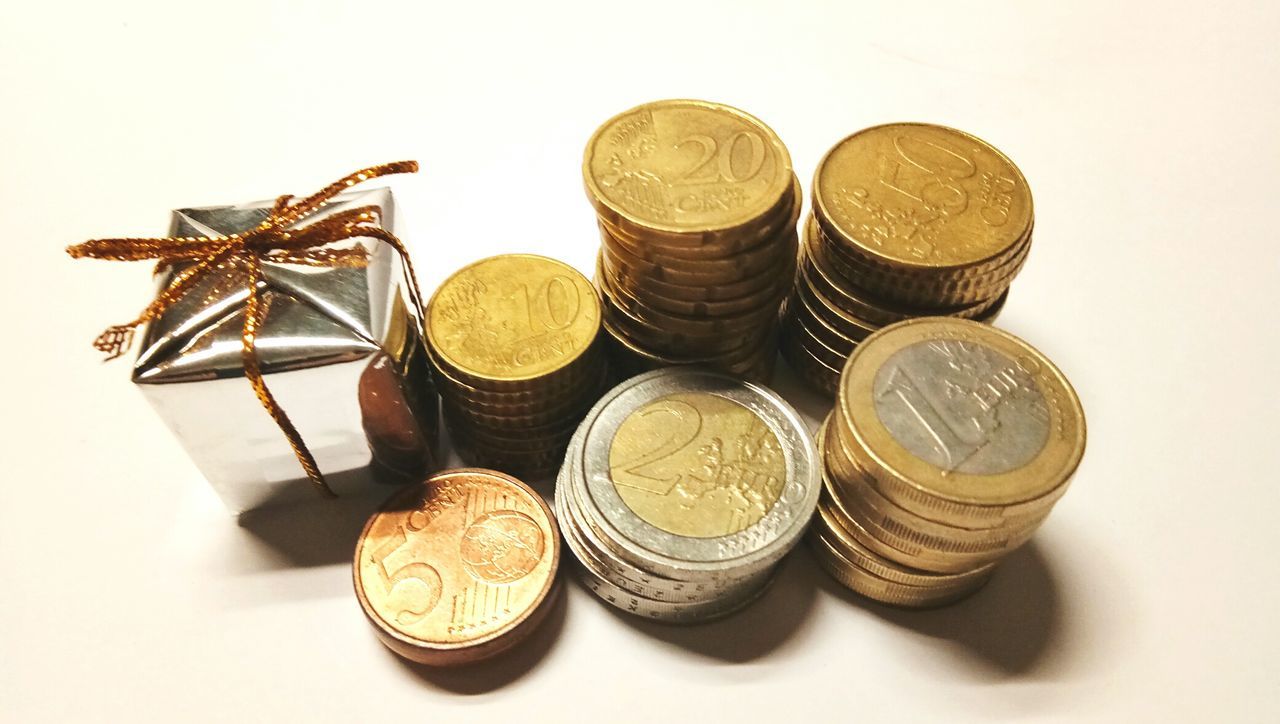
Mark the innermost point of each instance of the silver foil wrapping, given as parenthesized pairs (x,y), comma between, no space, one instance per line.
(342,351)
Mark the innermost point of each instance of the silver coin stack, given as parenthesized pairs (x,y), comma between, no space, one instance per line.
(681,491)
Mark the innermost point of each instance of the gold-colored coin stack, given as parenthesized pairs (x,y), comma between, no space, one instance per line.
(515,344)
(949,444)
(909,220)
(697,207)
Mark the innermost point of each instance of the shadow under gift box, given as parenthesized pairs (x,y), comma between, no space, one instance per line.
(341,349)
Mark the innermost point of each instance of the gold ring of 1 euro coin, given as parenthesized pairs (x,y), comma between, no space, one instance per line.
(458,568)
(686,168)
(507,320)
(914,196)
(955,420)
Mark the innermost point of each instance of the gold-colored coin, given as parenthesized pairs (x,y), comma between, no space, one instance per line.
(918,288)
(683,288)
(815,372)
(913,195)
(856,482)
(458,568)
(827,345)
(685,167)
(859,580)
(823,276)
(833,529)
(512,318)
(956,416)
(777,288)
(722,489)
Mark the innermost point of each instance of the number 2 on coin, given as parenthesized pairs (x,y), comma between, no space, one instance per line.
(684,426)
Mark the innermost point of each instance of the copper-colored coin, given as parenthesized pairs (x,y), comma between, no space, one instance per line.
(457,568)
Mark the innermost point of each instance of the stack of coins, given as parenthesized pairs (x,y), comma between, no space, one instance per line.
(697,207)
(909,220)
(515,345)
(681,491)
(949,444)
(458,568)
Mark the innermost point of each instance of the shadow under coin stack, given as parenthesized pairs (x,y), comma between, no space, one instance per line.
(515,343)
(949,444)
(682,490)
(909,220)
(697,207)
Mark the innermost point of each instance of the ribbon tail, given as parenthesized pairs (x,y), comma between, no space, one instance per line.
(253,319)
(115,340)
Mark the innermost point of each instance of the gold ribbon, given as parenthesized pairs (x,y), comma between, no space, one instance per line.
(276,240)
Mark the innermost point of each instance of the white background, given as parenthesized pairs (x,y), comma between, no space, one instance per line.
(1150,134)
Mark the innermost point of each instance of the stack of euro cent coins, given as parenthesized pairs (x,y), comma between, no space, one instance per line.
(682,490)
(458,568)
(908,220)
(949,444)
(697,206)
(516,347)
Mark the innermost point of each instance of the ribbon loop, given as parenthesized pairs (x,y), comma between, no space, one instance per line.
(278,238)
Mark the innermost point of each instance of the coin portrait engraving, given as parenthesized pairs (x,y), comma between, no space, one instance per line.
(688,164)
(925,194)
(697,465)
(501,546)
(514,315)
(962,406)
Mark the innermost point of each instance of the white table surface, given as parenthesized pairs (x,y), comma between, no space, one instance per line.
(1150,133)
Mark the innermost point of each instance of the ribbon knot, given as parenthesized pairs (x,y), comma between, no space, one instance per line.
(279,238)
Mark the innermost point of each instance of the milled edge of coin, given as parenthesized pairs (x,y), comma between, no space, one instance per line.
(916,478)
(814,271)
(778,190)
(786,516)
(436,653)
(443,359)
(715,604)
(821,210)
(585,546)
(719,586)
(869,585)
(916,528)
(847,480)
(766,234)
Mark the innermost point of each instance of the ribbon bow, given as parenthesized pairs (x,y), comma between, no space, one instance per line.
(276,239)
